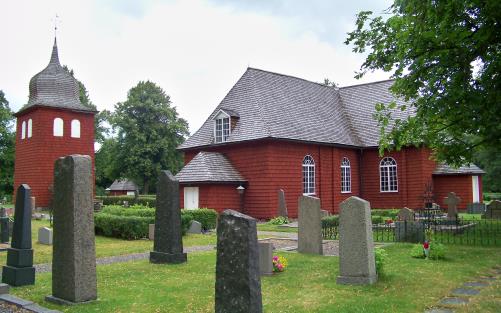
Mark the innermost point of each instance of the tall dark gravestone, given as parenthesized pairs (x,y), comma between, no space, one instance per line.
(19,270)
(4,226)
(74,253)
(168,242)
(238,283)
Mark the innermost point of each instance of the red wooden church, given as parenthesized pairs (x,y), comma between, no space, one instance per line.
(274,131)
(53,123)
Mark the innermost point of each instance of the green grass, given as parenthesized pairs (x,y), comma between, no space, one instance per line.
(488,300)
(270,227)
(308,285)
(7,205)
(106,246)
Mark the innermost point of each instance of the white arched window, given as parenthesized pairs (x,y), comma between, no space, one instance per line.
(23,130)
(308,175)
(345,175)
(30,128)
(75,129)
(58,127)
(388,175)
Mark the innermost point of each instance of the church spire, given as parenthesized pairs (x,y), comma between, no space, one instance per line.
(54,58)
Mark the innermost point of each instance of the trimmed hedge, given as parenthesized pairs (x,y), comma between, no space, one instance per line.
(137,210)
(330,221)
(149,201)
(386,213)
(207,217)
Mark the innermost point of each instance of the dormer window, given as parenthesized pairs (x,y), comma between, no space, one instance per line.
(222,129)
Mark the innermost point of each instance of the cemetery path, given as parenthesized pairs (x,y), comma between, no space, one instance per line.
(47,267)
(277,234)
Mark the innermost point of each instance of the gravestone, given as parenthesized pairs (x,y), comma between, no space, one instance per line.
(452,202)
(409,231)
(356,246)
(45,235)
(238,284)
(151,231)
(33,205)
(405,214)
(195,227)
(494,210)
(168,244)
(309,226)
(282,205)
(4,226)
(73,253)
(475,208)
(98,206)
(265,258)
(19,270)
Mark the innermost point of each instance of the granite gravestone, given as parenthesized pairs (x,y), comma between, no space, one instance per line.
(475,208)
(405,214)
(282,205)
(73,253)
(168,243)
(4,226)
(45,236)
(494,210)
(309,226)
(195,227)
(356,246)
(238,283)
(265,258)
(151,231)
(452,202)
(19,270)
(409,231)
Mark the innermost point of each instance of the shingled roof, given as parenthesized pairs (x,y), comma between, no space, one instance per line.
(445,169)
(54,87)
(209,167)
(271,105)
(122,185)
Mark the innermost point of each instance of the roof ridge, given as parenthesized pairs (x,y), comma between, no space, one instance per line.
(290,76)
(369,83)
(351,127)
(258,105)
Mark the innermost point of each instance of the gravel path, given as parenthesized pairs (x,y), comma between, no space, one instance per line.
(47,267)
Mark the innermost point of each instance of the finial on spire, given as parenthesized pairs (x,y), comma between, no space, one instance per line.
(55,25)
(54,58)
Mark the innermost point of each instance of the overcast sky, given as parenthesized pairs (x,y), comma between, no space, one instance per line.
(194,49)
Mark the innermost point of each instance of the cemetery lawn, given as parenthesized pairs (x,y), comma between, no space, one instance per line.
(277,228)
(106,246)
(308,284)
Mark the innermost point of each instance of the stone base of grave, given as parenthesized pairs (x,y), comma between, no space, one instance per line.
(60,301)
(18,276)
(161,257)
(20,257)
(4,288)
(356,280)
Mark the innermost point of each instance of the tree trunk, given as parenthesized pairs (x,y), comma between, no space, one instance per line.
(146,187)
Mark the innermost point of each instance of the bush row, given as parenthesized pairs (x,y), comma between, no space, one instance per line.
(333,220)
(207,217)
(149,201)
(136,210)
(386,213)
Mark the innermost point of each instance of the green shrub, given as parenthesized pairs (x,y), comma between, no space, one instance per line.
(207,217)
(185,223)
(279,220)
(376,219)
(330,221)
(381,256)
(141,211)
(119,200)
(125,227)
(437,251)
(385,213)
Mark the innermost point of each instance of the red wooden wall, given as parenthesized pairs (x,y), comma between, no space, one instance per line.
(460,184)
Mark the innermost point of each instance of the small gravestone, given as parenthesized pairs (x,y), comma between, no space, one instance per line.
(238,283)
(409,231)
(324,213)
(282,206)
(435,206)
(265,258)
(195,227)
(168,244)
(309,226)
(126,204)
(356,246)
(405,214)
(475,208)
(98,206)
(151,231)
(452,202)
(73,254)
(494,210)
(45,235)
(4,226)
(19,270)
(33,205)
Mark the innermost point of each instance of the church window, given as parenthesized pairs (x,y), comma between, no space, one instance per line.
(23,130)
(308,175)
(58,127)
(30,128)
(388,175)
(75,129)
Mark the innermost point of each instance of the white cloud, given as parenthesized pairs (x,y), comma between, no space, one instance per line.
(193,49)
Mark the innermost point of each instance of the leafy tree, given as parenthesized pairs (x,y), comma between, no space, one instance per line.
(149,130)
(329,83)
(445,57)
(7,145)
(107,169)
(490,161)
(100,130)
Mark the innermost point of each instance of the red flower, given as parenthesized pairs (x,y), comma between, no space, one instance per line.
(426,245)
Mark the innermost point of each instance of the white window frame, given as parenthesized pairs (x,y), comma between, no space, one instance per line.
(388,175)
(23,130)
(30,128)
(345,175)
(75,128)
(308,171)
(58,127)
(224,120)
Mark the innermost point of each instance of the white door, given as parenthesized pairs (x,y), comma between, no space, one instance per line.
(191,198)
(476,189)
